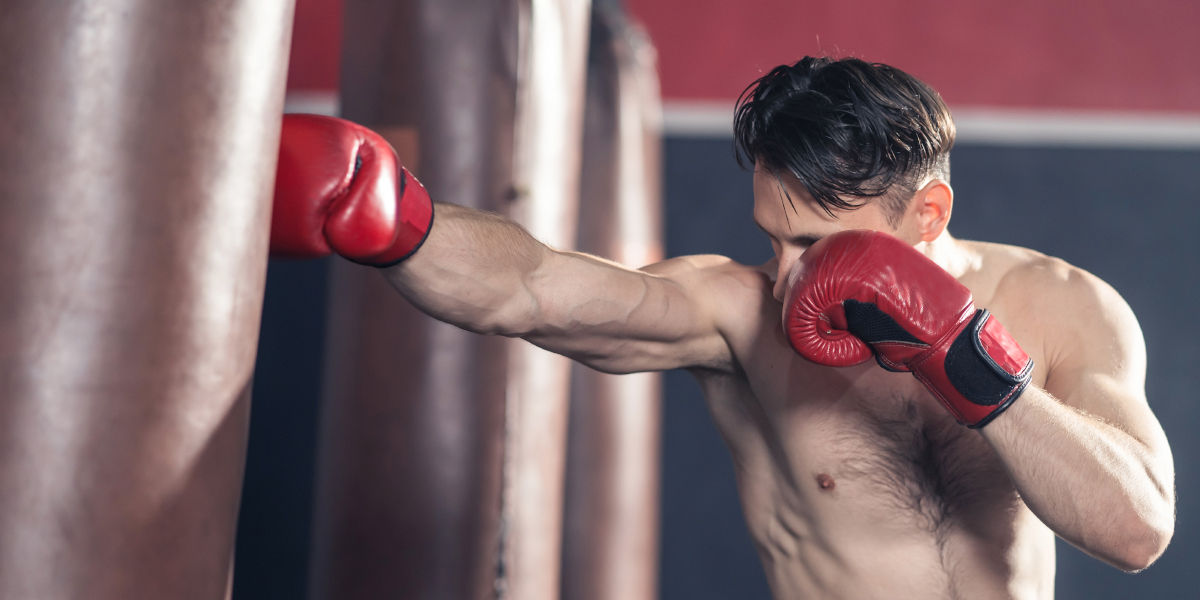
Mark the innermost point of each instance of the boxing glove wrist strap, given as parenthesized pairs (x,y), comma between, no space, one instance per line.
(415,219)
(413,223)
(979,374)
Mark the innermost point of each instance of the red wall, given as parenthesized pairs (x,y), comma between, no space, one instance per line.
(1111,54)
(1099,54)
(316,46)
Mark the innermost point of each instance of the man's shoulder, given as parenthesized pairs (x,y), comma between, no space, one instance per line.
(1053,301)
(737,296)
(1018,271)
(712,273)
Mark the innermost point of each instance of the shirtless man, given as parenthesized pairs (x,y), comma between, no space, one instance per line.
(856,481)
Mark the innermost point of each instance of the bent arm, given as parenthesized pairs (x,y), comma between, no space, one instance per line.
(486,274)
(1086,453)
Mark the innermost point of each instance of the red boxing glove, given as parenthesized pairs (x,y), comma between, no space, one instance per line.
(340,189)
(856,293)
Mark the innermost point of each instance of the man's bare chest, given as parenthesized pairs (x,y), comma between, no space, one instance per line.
(833,442)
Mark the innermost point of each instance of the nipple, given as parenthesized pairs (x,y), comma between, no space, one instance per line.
(825,481)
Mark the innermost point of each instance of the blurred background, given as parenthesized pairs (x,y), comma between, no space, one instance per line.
(1079,136)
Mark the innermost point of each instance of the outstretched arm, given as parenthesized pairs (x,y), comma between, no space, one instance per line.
(340,189)
(484,273)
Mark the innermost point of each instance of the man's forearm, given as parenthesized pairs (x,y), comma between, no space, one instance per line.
(1093,484)
(473,271)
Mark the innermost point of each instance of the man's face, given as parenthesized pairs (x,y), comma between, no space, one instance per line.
(793,226)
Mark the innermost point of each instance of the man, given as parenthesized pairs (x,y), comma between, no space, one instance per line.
(856,481)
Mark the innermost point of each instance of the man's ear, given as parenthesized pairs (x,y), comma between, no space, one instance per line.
(932,205)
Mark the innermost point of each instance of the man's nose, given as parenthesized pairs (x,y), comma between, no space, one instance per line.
(784,268)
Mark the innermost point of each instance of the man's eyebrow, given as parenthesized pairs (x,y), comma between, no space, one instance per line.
(806,239)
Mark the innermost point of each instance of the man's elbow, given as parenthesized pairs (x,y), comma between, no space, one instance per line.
(1144,542)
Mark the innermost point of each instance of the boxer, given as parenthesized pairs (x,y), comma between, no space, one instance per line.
(1025,416)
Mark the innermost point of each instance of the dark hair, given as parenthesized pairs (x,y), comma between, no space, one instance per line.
(849,130)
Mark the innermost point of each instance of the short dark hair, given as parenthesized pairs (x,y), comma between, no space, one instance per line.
(849,130)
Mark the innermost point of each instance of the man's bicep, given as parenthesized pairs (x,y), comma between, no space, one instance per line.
(621,320)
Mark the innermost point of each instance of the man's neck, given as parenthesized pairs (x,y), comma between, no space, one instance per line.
(950,254)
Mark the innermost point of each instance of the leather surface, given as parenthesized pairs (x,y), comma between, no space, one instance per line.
(136,172)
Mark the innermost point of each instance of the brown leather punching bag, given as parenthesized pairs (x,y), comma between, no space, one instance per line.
(433,437)
(412,423)
(611,533)
(548,157)
(136,168)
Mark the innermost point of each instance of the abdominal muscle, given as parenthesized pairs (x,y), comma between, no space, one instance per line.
(866,552)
